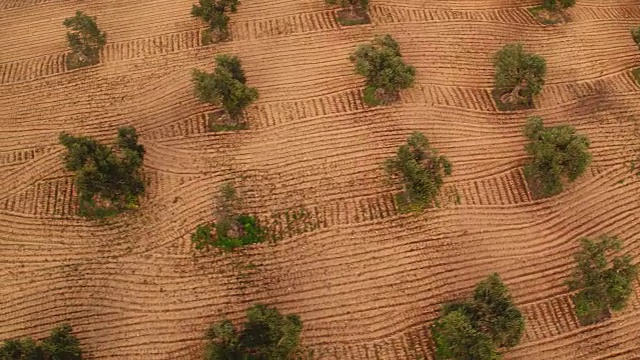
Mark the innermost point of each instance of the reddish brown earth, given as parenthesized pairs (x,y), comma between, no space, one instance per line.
(366,280)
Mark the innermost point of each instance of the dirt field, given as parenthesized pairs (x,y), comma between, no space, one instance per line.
(367,281)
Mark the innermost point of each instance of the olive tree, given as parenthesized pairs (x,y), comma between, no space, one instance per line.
(85,40)
(107,181)
(225,87)
(386,73)
(266,334)
(604,282)
(555,153)
(61,344)
(213,12)
(474,329)
(519,75)
(421,171)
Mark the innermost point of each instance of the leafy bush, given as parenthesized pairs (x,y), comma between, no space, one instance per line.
(232,229)
(213,12)
(266,334)
(60,345)
(474,329)
(519,75)
(604,282)
(558,4)
(635,33)
(225,86)
(381,63)
(86,40)
(420,169)
(556,153)
(107,181)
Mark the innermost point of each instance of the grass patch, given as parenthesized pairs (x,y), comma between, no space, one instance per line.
(636,74)
(545,16)
(502,106)
(346,18)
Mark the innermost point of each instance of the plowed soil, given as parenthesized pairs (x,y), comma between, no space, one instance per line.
(366,280)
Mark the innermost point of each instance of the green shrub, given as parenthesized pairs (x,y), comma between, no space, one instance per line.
(558,4)
(475,329)
(635,34)
(519,75)
(60,345)
(266,334)
(213,12)
(556,153)
(107,181)
(421,171)
(225,87)
(382,65)
(604,282)
(232,229)
(85,40)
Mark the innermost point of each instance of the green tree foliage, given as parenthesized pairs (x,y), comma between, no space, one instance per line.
(558,4)
(85,40)
(604,281)
(107,181)
(518,74)
(225,87)
(381,63)
(635,33)
(456,337)
(232,229)
(213,12)
(556,153)
(475,329)
(421,171)
(266,335)
(60,345)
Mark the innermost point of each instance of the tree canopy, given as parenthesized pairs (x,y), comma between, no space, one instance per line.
(475,329)
(107,181)
(85,40)
(213,12)
(420,169)
(60,345)
(265,335)
(232,229)
(225,87)
(519,74)
(556,152)
(604,282)
(381,64)
(635,34)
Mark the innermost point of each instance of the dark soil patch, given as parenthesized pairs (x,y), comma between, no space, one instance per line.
(219,121)
(346,17)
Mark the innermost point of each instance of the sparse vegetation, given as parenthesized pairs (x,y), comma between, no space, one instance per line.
(519,77)
(551,11)
(556,153)
(60,345)
(635,34)
(604,282)
(107,181)
(558,4)
(225,87)
(85,40)
(475,329)
(381,63)
(354,12)
(214,13)
(636,74)
(232,229)
(266,334)
(420,169)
